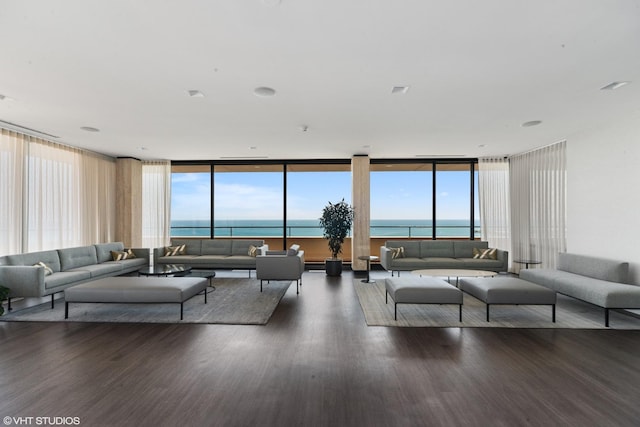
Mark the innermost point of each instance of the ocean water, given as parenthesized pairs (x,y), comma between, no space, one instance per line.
(311,228)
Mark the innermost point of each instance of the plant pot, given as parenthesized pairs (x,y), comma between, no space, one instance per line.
(333,267)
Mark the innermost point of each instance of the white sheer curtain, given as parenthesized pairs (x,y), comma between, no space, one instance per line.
(97,198)
(156,203)
(11,185)
(53,196)
(493,189)
(538,204)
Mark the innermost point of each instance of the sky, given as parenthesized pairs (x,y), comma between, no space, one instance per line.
(258,195)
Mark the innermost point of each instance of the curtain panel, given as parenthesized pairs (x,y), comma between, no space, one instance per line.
(54,196)
(538,204)
(493,196)
(156,203)
(11,200)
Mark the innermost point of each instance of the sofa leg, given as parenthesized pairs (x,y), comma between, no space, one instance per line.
(395,310)
(260,285)
(553,313)
(297,287)
(460,314)
(66,310)
(9,304)
(488,312)
(181,309)
(52,300)
(606,317)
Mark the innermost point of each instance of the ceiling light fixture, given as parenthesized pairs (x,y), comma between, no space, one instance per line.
(531,123)
(195,93)
(400,89)
(90,129)
(614,85)
(264,91)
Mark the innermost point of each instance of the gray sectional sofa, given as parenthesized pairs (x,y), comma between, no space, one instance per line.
(436,254)
(598,281)
(213,253)
(69,267)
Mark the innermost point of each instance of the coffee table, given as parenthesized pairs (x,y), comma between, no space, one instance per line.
(164,270)
(454,272)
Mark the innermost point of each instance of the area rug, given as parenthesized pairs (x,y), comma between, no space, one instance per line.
(570,313)
(235,301)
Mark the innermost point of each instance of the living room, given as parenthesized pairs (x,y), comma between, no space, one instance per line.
(187,85)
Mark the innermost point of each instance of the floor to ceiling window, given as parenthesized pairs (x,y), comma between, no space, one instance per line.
(190,200)
(401,200)
(453,200)
(248,200)
(309,188)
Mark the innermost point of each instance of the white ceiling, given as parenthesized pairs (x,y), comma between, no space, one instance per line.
(476,69)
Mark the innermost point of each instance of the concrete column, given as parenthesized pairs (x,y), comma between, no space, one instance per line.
(129,202)
(360,242)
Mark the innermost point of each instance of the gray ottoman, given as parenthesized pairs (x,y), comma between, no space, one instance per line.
(509,291)
(127,289)
(421,290)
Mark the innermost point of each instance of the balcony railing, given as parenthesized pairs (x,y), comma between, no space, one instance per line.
(402,231)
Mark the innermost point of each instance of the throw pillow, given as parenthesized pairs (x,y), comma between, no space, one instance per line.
(130,254)
(47,270)
(118,255)
(485,253)
(253,251)
(397,252)
(174,250)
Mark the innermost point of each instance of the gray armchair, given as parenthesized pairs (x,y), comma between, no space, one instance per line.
(281,265)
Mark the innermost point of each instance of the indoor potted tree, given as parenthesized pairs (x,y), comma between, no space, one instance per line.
(336,222)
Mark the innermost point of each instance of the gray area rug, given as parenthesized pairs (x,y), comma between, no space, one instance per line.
(234,301)
(570,313)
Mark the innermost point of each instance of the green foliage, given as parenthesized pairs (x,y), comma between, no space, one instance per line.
(4,294)
(336,221)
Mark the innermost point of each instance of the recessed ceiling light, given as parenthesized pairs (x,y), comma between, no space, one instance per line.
(482,145)
(531,123)
(264,91)
(195,93)
(90,129)
(400,89)
(271,2)
(614,85)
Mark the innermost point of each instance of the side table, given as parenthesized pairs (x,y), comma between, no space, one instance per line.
(527,262)
(368,258)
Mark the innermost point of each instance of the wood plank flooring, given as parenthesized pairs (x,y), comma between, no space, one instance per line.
(317,364)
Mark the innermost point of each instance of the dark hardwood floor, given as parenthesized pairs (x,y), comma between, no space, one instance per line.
(317,363)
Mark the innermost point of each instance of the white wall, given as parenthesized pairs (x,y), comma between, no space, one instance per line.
(603,193)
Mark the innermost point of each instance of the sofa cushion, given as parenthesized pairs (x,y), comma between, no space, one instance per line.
(485,253)
(71,258)
(103,250)
(293,250)
(440,263)
(397,252)
(241,247)
(217,247)
(464,248)
(51,258)
(192,246)
(437,248)
(411,247)
(47,269)
(598,268)
(97,270)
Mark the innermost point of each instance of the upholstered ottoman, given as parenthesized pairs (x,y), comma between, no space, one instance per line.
(509,291)
(136,290)
(421,290)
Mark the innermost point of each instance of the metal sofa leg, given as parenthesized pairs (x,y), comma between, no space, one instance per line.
(52,300)
(66,310)
(9,306)
(606,317)
(488,312)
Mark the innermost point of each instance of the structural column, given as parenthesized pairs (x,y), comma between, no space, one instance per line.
(360,240)
(129,202)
